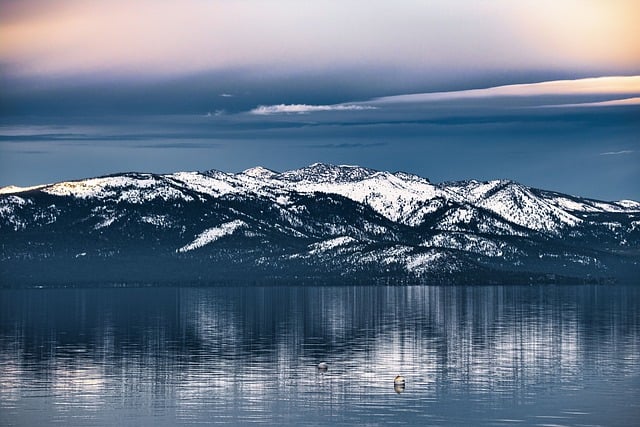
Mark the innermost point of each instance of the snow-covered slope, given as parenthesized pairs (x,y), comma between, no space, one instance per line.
(400,197)
(515,203)
(321,218)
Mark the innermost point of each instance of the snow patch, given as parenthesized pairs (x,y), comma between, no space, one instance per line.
(204,184)
(7,204)
(330,244)
(572,205)
(212,234)
(421,263)
(629,204)
(161,221)
(11,189)
(132,189)
(106,222)
(8,207)
(465,242)
(388,256)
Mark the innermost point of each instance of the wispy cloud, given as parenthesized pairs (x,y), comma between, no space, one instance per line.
(628,85)
(610,103)
(265,110)
(561,91)
(616,153)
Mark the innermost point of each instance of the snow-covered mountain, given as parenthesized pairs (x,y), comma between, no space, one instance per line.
(322,222)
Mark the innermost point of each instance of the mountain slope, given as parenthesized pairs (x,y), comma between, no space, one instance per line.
(323,223)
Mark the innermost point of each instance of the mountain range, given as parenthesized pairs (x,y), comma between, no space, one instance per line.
(322,224)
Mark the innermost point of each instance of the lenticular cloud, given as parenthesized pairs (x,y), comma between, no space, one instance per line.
(305,108)
(608,85)
(596,86)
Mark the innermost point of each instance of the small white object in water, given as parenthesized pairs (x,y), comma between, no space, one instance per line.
(399,379)
(323,366)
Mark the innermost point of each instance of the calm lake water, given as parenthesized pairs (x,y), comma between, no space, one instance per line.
(525,355)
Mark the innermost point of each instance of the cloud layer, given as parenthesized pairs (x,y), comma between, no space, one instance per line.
(148,37)
(561,90)
(615,85)
(265,110)
(611,103)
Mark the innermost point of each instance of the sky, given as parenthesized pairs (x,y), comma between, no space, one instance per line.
(542,92)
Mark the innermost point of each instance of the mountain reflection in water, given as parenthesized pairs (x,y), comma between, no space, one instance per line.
(471,355)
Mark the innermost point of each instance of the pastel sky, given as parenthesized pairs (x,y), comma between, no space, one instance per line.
(544,92)
(150,37)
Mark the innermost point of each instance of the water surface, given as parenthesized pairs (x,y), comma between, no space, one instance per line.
(523,355)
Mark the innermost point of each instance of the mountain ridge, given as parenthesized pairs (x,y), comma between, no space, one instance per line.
(323,221)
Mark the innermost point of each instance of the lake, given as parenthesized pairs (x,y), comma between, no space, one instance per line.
(479,355)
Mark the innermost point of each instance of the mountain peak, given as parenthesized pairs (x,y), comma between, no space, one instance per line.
(259,172)
(411,177)
(324,172)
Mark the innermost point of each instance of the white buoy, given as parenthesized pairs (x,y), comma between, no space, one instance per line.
(323,366)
